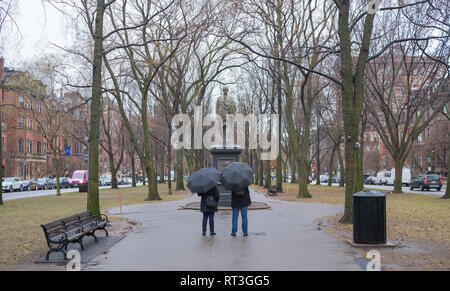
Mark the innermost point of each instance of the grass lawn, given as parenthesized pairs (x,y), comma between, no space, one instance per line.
(421,222)
(20,220)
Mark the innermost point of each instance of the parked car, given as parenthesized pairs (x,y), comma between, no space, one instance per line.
(78,178)
(370,180)
(406,177)
(29,185)
(426,182)
(324,178)
(44,184)
(107,181)
(12,184)
(381,177)
(63,183)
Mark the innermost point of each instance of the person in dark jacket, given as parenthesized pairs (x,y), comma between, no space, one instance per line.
(240,200)
(208,207)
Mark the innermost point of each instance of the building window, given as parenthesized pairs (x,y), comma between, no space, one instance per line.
(31,147)
(39,108)
(21,145)
(39,148)
(21,102)
(21,121)
(38,127)
(30,123)
(419,138)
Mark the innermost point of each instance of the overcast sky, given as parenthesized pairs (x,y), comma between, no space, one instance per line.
(39,26)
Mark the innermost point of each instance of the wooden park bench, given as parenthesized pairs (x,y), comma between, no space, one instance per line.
(273,191)
(72,229)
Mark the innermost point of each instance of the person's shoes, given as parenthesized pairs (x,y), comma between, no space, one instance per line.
(203,233)
(245,234)
(233,234)
(212,233)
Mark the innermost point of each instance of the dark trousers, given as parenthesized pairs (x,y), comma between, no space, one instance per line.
(210,216)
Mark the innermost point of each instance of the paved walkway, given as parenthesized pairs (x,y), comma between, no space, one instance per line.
(282,238)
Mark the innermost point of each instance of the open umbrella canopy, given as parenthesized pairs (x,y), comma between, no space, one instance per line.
(237,176)
(203,180)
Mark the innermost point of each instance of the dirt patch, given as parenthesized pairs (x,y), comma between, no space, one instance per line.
(413,254)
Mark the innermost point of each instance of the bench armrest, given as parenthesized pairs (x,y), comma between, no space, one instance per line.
(58,232)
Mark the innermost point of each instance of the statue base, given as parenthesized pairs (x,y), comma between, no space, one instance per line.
(222,157)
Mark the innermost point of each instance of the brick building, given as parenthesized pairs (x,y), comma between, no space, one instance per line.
(24,148)
(25,111)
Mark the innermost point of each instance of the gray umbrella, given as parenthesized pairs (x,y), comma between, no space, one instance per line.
(237,176)
(203,180)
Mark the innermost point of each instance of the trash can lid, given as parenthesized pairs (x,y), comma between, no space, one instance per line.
(370,193)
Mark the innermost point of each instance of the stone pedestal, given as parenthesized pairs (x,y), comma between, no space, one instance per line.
(221,158)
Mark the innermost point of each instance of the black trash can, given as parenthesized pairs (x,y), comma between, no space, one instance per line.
(83,188)
(369,217)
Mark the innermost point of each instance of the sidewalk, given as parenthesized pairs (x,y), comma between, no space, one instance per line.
(282,238)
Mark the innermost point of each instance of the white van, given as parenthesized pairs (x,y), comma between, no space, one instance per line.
(381,177)
(406,177)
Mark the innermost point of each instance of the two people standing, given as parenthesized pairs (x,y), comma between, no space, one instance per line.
(240,201)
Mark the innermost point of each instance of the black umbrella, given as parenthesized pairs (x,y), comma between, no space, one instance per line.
(237,176)
(203,180)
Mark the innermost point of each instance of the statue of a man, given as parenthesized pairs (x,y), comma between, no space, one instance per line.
(225,105)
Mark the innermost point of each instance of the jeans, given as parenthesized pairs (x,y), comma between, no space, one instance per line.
(209,215)
(244,220)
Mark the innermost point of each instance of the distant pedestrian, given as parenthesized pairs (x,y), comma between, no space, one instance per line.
(208,206)
(240,201)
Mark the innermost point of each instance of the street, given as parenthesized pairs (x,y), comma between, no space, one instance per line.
(31,194)
(405,189)
(39,193)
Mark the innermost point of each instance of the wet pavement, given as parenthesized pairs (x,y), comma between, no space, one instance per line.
(281,238)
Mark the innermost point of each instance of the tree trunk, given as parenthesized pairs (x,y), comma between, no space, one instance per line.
(304,165)
(261,173)
(268,180)
(114,183)
(180,176)
(294,172)
(169,164)
(318,154)
(152,186)
(303,173)
(331,167)
(133,170)
(58,184)
(398,176)
(144,174)
(447,192)
(162,171)
(256,169)
(341,167)
(352,99)
(93,201)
